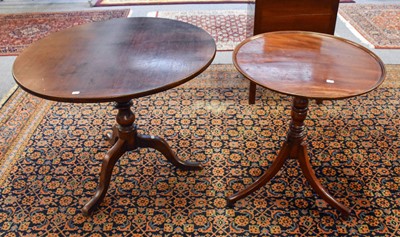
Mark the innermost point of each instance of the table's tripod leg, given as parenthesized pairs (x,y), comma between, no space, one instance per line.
(105,175)
(113,136)
(271,172)
(316,185)
(162,146)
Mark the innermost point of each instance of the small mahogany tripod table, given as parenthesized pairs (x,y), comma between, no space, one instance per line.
(116,61)
(306,66)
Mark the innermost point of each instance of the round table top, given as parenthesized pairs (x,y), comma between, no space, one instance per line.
(114,60)
(308,64)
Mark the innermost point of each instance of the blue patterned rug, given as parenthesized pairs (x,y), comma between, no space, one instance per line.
(50,156)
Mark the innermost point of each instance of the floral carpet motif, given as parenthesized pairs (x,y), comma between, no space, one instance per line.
(51,156)
(20,30)
(379,24)
(227,27)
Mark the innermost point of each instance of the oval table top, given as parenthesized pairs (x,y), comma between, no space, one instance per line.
(308,64)
(114,60)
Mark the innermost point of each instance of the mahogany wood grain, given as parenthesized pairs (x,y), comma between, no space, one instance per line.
(119,59)
(305,15)
(305,65)
(116,60)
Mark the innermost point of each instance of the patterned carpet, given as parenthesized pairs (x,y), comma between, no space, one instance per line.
(51,154)
(379,24)
(227,27)
(20,30)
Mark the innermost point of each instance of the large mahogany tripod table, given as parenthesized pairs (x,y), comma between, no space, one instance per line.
(116,61)
(306,66)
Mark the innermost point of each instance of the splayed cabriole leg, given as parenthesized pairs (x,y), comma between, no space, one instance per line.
(112,137)
(123,140)
(105,175)
(124,137)
(294,148)
(162,146)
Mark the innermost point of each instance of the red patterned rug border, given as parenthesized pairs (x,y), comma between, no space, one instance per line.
(226,35)
(99,3)
(358,19)
(8,48)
